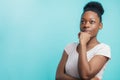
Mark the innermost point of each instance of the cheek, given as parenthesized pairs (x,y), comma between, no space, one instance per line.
(94,31)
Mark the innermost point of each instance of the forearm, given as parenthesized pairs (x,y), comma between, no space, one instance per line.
(83,65)
(66,77)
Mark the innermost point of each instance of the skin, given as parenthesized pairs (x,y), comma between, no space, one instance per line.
(89,26)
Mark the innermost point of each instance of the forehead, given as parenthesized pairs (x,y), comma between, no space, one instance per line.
(90,15)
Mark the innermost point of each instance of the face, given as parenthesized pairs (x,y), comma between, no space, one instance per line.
(90,23)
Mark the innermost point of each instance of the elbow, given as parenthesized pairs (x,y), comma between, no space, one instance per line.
(85,77)
(58,77)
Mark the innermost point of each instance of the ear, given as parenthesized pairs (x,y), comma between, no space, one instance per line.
(101,26)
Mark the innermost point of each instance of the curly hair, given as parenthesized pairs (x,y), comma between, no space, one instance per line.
(95,7)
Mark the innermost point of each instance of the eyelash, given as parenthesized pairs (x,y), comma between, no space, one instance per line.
(83,22)
(92,22)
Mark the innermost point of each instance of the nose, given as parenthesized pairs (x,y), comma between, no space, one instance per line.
(86,25)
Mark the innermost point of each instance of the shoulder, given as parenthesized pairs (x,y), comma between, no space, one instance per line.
(104,49)
(72,44)
(105,45)
(70,47)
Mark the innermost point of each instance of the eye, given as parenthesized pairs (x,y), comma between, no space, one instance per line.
(82,22)
(92,22)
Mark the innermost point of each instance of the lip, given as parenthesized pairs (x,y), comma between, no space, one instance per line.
(88,31)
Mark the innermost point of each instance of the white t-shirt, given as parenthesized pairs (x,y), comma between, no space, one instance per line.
(71,66)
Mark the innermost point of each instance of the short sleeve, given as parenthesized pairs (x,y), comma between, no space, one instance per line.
(104,50)
(69,48)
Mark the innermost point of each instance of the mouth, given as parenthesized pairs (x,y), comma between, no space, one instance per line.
(87,31)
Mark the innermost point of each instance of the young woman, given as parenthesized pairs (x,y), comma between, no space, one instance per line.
(87,59)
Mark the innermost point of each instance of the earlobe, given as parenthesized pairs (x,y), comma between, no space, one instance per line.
(100,28)
(101,25)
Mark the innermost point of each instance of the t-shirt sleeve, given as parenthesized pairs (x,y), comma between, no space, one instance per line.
(69,48)
(105,51)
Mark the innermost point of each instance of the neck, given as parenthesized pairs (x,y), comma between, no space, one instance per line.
(92,42)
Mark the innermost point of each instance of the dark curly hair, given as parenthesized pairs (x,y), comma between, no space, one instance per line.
(95,7)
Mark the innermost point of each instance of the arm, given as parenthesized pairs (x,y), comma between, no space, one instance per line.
(60,74)
(87,70)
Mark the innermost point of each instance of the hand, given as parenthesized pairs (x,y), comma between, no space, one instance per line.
(84,37)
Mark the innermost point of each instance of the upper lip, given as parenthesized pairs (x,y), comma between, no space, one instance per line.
(85,30)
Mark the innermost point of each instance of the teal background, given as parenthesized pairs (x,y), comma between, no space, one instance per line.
(33,34)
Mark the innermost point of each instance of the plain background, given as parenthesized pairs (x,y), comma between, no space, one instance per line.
(33,34)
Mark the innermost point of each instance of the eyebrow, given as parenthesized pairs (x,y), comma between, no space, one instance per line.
(90,18)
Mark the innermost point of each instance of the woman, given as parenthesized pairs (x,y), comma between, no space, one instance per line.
(87,59)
